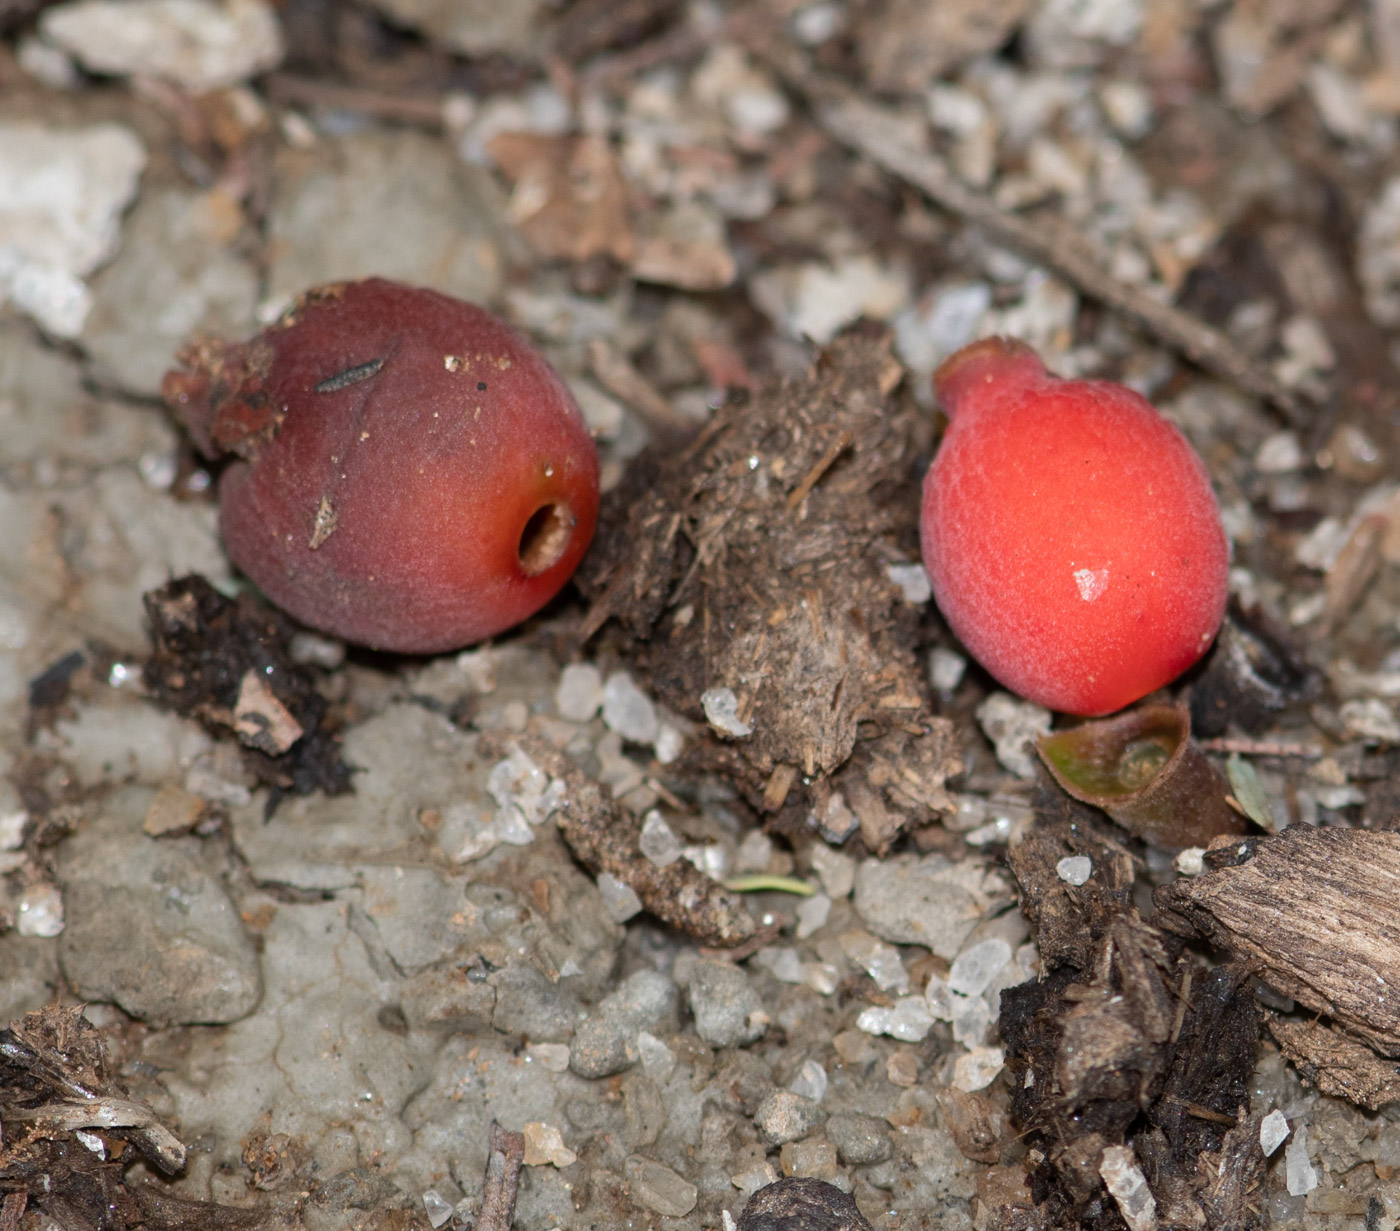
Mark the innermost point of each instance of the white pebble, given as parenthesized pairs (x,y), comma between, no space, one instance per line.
(1191,861)
(879,960)
(784,963)
(912,580)
(439,1212)
(1075,869)
(1013,727)
(40,911)
(658,841)
(551,1056)
(976,966)
(1128,1186)
(812,914)
(945,670)
(810,1081)
(579,693)
(628,710)
(619,900)
(971,1019)
(907,1020)
(1273,1130)
(755,852)
(721,708)
(1298,1168)
(657,1059)
(978,1068)
(1281,453)
(837,872)
(670,743)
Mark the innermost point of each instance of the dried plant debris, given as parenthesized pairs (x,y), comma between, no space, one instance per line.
(1250,678)
(226,663)
(605,838)
(66,1125)
(1335,1064)
(750,575)
(905,45)
(1067,917)
(1313,912)
(1129,1064)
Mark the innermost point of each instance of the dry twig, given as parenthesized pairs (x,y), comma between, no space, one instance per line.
(503,1163)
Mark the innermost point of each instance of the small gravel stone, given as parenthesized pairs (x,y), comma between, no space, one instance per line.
(971,1018)
(783,1116)
(978,1068)
(755,852)
(628,710)
(437,1210)
(784,961)
(859,1139)
(912,580)
(728,1011)
(810,1082)
(177,274)
(812,914)
(173,810)
(579,694)
(529,1004)
(815,1160)
(658,841)
(1273,1130)
(544,1146)
(39,911)
(1281,453)
(928,901)
(475,28)
(181,955)
(62,193)
(553,1057)
(606,1041)
(1301,1175)
(880,961)
(1191,861)
(326,217)
(945,670)
(657,1187)
(721,708)
(837,822)
(197,44)
(902,1069)
(658,1060)
(907,1019)
(1128,1186)
(1012,726)
(837,872)
(670,743)
(1371,720)
(1075,869)
(976,966)
(619,900)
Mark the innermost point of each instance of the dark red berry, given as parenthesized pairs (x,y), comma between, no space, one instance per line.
(408,473)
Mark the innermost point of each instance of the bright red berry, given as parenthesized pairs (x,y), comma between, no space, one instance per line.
(408,473)
(1070,531)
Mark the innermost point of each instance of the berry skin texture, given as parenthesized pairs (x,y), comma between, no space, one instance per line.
(407,473)
(1070,532)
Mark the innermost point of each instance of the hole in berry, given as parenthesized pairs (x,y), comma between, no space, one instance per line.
(545,537)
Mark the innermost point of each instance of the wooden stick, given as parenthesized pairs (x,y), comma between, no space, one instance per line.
(503,1163)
